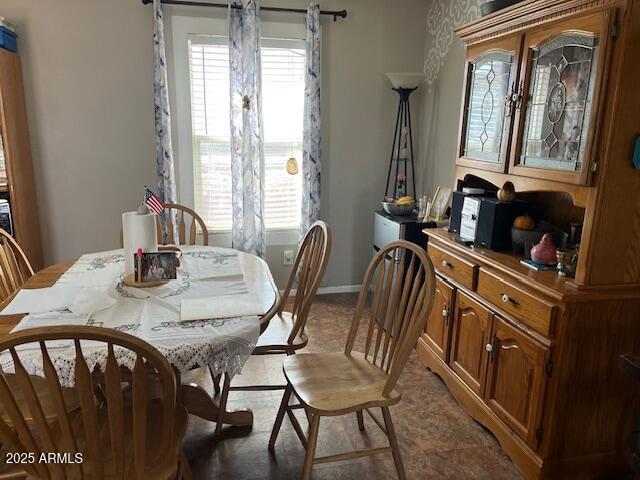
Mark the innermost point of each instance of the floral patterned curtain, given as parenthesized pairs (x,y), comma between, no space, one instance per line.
(311,128)
(247,150)
(164,152)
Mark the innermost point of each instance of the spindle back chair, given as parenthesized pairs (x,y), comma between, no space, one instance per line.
(180,211)
(400,282)
(403,292)
(15,268)
(308,271)
(285,333)
(117,436)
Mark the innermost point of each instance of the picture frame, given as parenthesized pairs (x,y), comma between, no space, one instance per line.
(440,202)
(155,267)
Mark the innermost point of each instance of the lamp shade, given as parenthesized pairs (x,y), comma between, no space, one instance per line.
(405,80)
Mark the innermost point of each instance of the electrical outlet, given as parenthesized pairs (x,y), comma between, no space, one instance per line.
(287,257)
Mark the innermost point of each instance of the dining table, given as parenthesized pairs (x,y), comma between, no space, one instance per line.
(212,275)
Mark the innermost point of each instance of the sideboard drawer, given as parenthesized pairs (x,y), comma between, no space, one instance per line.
(458,268)
(534,310)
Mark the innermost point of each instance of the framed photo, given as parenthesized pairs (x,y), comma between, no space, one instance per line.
(440,203)
(155,266)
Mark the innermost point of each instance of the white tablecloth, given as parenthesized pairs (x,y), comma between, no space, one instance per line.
(153,314)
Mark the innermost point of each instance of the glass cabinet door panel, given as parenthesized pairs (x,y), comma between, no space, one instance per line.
(559,103)
(485,115)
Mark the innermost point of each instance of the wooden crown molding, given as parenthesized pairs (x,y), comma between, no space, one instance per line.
(525,15)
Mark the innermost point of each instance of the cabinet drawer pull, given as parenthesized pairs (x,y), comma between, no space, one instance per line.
(489,347)
(506,298)
(445,312)
(446,264)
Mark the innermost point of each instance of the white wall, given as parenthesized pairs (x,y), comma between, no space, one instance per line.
(442,102)
(87,68)
(87,73)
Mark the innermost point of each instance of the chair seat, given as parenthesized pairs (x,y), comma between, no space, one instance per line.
(336,383)
(274,338)
(42,391)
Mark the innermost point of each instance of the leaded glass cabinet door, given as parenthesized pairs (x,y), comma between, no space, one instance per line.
(491,71)
(556,125)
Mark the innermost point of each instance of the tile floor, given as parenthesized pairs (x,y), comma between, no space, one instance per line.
(438,439)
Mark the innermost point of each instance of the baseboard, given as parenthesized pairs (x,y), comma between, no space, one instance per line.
(337,289)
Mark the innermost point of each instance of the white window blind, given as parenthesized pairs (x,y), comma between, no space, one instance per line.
(282,108)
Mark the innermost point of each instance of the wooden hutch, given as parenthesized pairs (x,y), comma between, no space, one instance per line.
(552,104)
(17,183)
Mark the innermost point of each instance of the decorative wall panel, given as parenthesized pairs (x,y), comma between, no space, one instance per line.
(442,18)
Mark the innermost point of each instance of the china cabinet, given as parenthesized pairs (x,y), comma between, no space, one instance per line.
(531,98)
(16,171)
(551,103)
(437,331)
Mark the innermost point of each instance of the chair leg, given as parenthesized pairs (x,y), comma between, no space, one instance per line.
(393,441)
(216,382)
(222,406)
(185,468)
(360,419)
(311,447)
(280,416)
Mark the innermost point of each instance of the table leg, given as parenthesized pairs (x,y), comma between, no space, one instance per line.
(198,402)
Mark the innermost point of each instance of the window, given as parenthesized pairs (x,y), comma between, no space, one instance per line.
(283,67)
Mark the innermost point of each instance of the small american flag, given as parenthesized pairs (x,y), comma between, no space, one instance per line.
(152,201)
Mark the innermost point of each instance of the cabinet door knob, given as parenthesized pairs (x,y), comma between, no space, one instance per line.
(445,312)
(489,347)
(507,299)
(446,264)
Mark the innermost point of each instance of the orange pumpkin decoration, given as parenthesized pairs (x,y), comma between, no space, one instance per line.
(524,222)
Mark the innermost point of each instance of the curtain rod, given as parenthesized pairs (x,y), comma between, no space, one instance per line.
(334,13)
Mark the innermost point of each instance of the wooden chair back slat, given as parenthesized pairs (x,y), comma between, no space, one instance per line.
(158,232)
(33,403)
(377,289)
(308,267)
(303,273)
(140,390)
(86,431)
(68,442)
(169,212)
(115,411)
(169,216)
(192,233)
(15,268)
(403,293)
(84,385)
(19,425)
(181,226)
(5,291)
(381,315)
(181,238)
(394,308)
(8,279)
(12,444)
(402,309)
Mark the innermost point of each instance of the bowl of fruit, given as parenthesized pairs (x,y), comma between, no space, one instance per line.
(399,206)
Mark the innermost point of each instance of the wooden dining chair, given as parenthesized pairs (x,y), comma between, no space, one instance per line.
(286,332)
(128,424)
(15,268)
(331,384)
(193,220)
